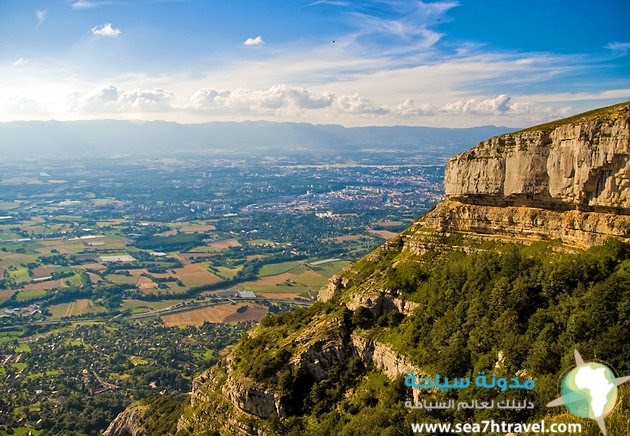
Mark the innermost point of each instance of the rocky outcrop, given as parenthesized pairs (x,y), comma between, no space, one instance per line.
(568,180)
(579,164)
(253,398)
(382,357)
(333,286)
(380,302)
(130,422)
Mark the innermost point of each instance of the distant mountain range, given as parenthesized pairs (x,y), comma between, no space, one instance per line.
(63,139)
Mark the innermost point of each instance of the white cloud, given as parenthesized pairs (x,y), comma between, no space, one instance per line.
(87,4)
(409,23)
(111,99)
(330,3)
(106,30)
(20,62)
(356,104)
(408,108)
(254,41)
(283,102)
(493,106)
(276,98)
(21,105)
(621,48)
(207,99)
(501,106)
(40,16)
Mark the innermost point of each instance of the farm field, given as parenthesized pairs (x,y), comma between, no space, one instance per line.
(292,279)
(216,314)
(385,234)
(224,244)
(74,308)
(5,294)
(196,275)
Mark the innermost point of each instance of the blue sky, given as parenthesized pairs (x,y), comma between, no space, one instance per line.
(374,62)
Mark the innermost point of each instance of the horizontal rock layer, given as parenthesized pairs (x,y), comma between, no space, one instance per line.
(574,227)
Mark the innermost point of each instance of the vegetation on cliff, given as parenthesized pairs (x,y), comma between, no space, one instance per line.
(512,310)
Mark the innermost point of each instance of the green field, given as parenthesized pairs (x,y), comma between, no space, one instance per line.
(23,348)
(20,275)
(225,272)
(9,336)
(121,279)
(137,360)
(25,431)
(255,242)
(30,295)
(331,268)
(19,366)
(273,269)
(296,288)
(74,308)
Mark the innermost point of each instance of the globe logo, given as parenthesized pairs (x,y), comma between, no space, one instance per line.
(589,391)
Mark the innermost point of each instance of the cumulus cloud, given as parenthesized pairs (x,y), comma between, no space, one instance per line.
(300,97)
(254,41)
(495,109)
(259,101)
(208,98)
(111,99)
(40,16)
(492,106)
(359,105)
(285,100)
(291,103)
(408,108)
(106,30)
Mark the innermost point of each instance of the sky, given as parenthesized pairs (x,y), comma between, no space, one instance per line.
(454,63)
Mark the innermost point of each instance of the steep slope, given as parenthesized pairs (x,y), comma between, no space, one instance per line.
(453,295)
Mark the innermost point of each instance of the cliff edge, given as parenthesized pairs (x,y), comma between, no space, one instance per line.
(567,180)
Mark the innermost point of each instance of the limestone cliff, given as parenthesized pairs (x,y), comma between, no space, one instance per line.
(131,422)
(567,180)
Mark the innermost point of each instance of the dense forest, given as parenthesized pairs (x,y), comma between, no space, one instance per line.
(507,309)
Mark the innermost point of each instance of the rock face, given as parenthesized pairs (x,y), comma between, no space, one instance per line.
(581,164)
(568,180)
(253,398)
(131,422)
